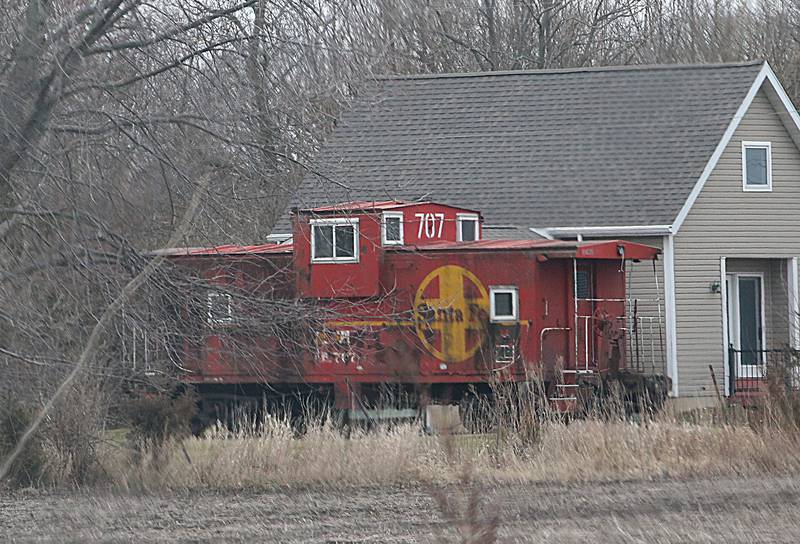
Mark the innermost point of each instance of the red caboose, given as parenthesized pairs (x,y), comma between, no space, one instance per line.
(406,298)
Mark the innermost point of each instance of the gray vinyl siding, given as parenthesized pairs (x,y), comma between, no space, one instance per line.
(776,297)
(643,289)
(728,222)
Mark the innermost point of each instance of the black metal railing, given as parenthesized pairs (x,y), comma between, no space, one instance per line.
(750,370)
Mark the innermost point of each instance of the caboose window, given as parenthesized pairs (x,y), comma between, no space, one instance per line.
(467,227)
(503,303)
(334,240)
(392,228)
(582,287)
(219,308)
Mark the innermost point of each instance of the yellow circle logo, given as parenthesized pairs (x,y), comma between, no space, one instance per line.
(450,313)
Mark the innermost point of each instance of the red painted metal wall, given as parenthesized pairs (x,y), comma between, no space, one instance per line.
(422,223)
(418,313)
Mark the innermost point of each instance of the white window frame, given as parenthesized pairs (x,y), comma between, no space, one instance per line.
(354,222)
(750,187)
(504,289)
(733,325)
(210,304)
(392,215)
(460,217)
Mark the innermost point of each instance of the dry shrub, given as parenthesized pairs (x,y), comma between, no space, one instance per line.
(780,408)
(155,419)
(275,456)
(28,469)
(581,450)
(73,432)
(63,450)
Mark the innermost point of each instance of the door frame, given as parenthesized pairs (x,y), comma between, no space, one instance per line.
(733,317)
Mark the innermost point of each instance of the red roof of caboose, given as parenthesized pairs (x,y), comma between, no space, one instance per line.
(605,249)
(229,249)
(369,206)
(602,249)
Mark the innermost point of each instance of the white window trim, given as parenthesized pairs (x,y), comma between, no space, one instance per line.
(212,319)
(500,289)
(756,188)
(384,217)
(467,217)
(334,222)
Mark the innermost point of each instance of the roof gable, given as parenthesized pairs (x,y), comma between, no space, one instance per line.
(584,147)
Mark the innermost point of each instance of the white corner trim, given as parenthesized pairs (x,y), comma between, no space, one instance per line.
(766,73)
(544,233)
(669,309)
(723,291)
(794,306)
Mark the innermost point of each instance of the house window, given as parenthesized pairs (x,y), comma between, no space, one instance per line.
(334,240)
(392,229)
(757,166)
(503,303)
(219,308)
(467,226)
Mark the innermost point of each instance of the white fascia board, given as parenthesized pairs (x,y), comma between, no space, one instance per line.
(766,73)
(781,92)
(544,233)
(621,230)
(279,238)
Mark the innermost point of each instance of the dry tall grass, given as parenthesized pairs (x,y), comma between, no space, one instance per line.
(585,450)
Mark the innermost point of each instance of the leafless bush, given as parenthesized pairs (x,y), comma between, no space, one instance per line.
(29,467)
(63,452)
(156,418)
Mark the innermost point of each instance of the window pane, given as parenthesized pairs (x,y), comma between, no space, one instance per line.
(392,227)
(323,242)
(750,320)
(219,307)
(468,230)
(582,287)
(345,241)
(756,161)
(503,304)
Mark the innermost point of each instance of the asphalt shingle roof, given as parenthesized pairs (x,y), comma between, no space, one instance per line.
(562,148)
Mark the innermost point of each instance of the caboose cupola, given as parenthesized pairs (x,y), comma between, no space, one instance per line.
(338,248)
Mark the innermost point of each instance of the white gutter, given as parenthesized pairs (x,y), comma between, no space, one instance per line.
(279,238)
(622,230)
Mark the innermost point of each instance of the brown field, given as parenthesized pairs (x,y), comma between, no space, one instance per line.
(746,509)
(665,479)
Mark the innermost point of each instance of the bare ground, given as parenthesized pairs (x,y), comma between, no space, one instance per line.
(712,510)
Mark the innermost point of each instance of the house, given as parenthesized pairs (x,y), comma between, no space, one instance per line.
(699,160)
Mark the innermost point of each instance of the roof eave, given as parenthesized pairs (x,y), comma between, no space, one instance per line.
(617,230)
